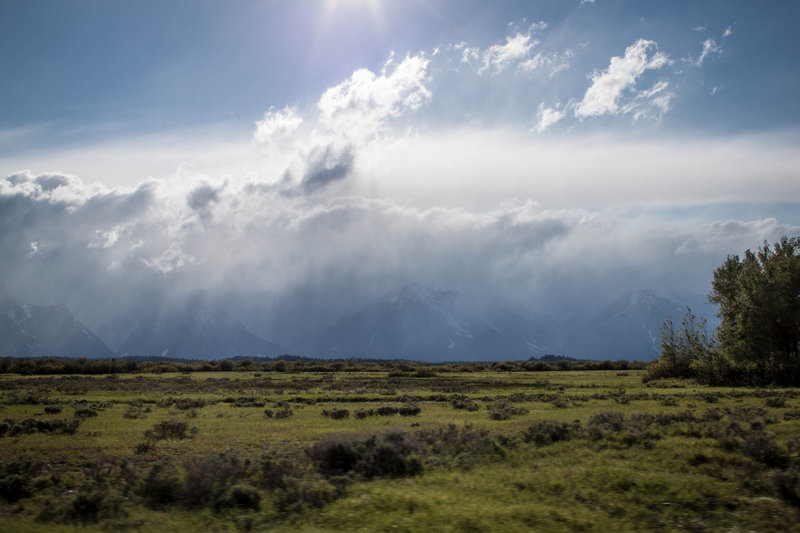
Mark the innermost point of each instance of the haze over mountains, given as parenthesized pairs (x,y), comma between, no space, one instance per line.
(412,322)
(44,330)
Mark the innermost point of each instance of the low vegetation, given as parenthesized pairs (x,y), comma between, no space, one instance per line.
(374,451)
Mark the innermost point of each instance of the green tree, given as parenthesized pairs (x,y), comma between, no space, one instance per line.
(683,351)
(759,308)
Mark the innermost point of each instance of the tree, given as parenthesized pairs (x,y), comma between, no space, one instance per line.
(759,308)
(683,351)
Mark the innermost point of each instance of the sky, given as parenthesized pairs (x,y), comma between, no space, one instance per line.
(292,160)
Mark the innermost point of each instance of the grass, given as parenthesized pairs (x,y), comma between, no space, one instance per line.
(573,451)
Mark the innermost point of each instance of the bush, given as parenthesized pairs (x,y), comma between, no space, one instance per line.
(775,401)
(52,409)
(464,403)
(91,506)
(168,429)
(26,426)
(309,491)
(681,351)
(207,476)
(162,486)
(547,432)
(336,414)
(248,401)
(758,446)
(185,404)
(502,410)
(240,496)
(283,413)
(385,455)
(601,424)
(409,410)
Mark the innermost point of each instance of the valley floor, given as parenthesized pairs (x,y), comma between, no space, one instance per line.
(395,451)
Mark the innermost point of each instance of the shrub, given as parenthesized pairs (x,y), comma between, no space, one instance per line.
(91,506)
(760,447)
(681,351)
(248,401)
(336,414)
(283,413)
(26,426)
(385,455)
(162,486)
(239,496)
(52,409)
(386,410)
(185,404)
(546,432)
(601,424)
(464,403)
(207,476)
(363,413)
(309,491)
(409,410)
(775,401)
(85,412)
(669,401)
(168,429)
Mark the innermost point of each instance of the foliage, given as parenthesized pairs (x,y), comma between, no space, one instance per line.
(759,307)
(683,351)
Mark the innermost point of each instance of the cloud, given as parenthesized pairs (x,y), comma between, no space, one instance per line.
(516,52)
(497,57)
(728,32)
(348,117)
(547,117)
(710,46)
(360,106)
(327,165)
(340,202)
(275,127)
(609,86)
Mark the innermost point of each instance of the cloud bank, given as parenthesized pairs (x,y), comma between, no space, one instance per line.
(343,200)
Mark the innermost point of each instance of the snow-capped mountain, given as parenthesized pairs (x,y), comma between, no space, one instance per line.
(627,328)
(415,322)
(419,323)
(31,330)
(195,332)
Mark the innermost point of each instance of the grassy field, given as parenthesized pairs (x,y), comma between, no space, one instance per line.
(381,451)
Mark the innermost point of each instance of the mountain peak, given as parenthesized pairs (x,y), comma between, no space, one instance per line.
(416,293)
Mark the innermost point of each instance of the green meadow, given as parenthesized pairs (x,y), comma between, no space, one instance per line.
(388,450)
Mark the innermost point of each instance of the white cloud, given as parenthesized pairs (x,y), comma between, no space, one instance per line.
(608,87)
(499,56)
(276,126)
(710,46)
(547,117)
(360,106)
(728,32)
(171,260)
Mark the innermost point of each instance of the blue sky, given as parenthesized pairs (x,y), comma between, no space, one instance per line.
(548,151)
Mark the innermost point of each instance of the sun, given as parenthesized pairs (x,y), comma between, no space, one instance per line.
(334,9)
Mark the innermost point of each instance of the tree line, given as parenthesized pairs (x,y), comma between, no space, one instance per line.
(130,365)
(758,339)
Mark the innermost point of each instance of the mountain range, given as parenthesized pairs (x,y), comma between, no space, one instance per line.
(52,330)
(412,322)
